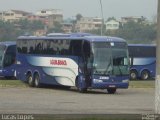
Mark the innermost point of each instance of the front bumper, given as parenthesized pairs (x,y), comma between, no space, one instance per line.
(110,85)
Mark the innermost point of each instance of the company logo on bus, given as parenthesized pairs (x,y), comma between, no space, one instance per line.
(58,62)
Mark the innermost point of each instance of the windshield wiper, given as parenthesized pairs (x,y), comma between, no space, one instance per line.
(108,69)
(120,70)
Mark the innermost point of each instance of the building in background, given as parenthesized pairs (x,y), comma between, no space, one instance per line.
(112,25)
(97,22)
(33,17)
(132,18)
(67,25)
(40,32)
(88,23)
(51,16)
(13,15)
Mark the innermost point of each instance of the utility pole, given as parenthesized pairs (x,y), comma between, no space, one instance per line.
(157,82)
(102,17)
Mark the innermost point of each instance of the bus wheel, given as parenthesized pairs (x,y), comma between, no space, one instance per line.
(30,80)
(111,90)
(145,75)
(8,77)
(133,75)
(37,81)
(81,90)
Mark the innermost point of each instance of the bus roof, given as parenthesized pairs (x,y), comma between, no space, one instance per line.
(144,45)
(104,38)
(76,36)
(8,43)
(68,35)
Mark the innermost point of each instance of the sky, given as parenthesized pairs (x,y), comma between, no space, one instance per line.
(87,8)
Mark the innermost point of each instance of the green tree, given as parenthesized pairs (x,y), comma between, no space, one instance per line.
(95,31)
(6,31)
(135,31)
(78,17)
(57,28)
(29,26)
(111,18)
(11,30)
(35,25)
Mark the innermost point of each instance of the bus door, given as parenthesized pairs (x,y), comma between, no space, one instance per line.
(81,49)
(88,60)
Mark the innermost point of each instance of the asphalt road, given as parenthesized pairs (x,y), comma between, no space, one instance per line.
(62,101)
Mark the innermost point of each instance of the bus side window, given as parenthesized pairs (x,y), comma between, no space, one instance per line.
(76,48)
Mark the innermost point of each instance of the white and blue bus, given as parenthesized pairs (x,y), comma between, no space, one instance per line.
(143,61)
(7,59)
(83,61)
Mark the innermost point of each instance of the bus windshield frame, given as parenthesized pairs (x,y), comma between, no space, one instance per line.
(110,58)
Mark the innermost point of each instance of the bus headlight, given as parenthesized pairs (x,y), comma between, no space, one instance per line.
(97,81)
(125,81)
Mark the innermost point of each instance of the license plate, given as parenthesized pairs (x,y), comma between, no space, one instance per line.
(112,86)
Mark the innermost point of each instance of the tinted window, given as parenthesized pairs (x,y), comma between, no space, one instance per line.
(11,49)
(76,47)
(86,49)
(22,46)
(2,49)
(142,51)
(10,56)
(50,47)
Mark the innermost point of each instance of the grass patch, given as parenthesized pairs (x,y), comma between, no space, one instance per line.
(12,83)
(132,84)
(142,84)
(89,117)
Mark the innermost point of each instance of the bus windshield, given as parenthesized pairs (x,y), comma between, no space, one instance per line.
(102,58)
(120,59)
(110,59)
(2,49)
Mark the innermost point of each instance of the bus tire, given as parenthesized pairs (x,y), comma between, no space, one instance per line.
(30,80)
(133,75)
(8,77)
(111,90)
(81,90)
(37,80)
(145,75)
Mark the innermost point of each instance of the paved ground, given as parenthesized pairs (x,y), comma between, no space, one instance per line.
(62,101)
